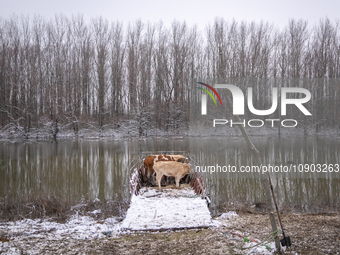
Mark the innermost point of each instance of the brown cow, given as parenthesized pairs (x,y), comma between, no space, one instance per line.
(151,160)
(178,158)
(176,169)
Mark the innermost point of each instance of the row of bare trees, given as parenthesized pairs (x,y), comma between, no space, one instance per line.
(66,71)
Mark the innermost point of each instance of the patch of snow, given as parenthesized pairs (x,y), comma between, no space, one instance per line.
(224,218)
(41,236)
(261,249)
(81,227)
(258,249)
(96,211)
(228,215)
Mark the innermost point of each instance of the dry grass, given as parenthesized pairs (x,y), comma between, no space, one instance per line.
(285,208)
(38,205)
(33,206)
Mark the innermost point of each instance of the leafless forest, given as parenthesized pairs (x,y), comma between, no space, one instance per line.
(68,74)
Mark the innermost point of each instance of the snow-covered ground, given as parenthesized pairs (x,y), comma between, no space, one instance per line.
(81,227)
(151,210)
(36,236)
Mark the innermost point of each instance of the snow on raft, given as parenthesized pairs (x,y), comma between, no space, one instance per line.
(168,209)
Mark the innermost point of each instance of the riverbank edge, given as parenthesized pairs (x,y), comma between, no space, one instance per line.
(111,134)
(309,234)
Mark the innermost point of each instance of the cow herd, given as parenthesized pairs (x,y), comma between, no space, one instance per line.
(168,165)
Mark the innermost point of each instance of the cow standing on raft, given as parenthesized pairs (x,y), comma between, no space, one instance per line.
(151,160)
(170,168)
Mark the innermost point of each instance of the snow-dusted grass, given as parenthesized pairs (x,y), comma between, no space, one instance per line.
(43,236)
(167,209)
(80,227)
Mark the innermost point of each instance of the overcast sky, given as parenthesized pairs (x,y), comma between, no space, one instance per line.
(200,12)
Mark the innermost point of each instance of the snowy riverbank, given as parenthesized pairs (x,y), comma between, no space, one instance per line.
(310,234)
(81,234)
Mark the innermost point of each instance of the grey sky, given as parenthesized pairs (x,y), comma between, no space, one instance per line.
(200,12)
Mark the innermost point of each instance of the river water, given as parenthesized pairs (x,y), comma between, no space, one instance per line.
(305,171)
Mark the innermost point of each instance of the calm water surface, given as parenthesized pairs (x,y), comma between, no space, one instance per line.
(99,169)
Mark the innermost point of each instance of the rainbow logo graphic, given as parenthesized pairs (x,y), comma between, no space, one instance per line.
(208,92)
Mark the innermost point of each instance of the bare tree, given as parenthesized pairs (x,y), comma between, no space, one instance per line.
(101,39)
(117,72)
(64,72)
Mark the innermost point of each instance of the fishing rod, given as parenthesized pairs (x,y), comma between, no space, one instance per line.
(286,240)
